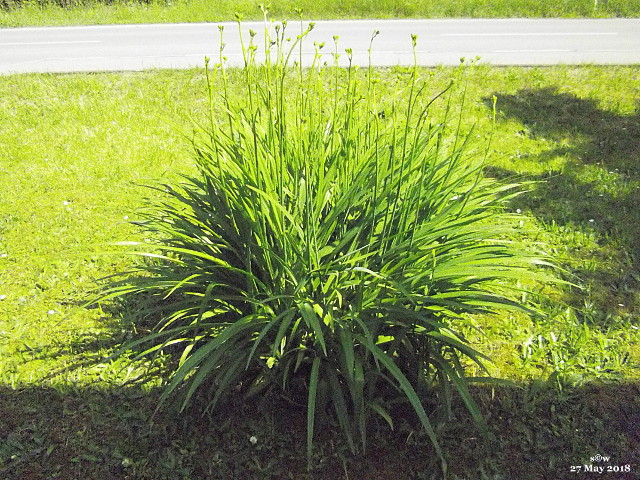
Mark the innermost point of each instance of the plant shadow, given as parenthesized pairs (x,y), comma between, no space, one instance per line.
(115,321)
(597,189)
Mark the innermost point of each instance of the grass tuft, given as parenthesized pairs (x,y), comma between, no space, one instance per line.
(330,246)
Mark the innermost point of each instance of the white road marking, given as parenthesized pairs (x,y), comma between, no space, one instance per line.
(532,34)
(532,51)
(50,43)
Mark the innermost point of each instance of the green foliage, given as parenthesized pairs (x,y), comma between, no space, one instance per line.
(331,244)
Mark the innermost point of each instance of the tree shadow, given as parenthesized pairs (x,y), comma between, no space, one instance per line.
(91,433)
(597,188)
(596,136)
(537,431)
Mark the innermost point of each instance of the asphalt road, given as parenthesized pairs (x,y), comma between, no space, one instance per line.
(440,42)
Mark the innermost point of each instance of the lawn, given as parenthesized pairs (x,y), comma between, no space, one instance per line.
(14,13)
(75,151)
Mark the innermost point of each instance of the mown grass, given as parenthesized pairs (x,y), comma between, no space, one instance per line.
(86,12)
(74,150)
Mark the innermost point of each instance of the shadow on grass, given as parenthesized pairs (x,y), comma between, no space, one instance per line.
(598,187)
(538,432)
(97,434)
(598,137)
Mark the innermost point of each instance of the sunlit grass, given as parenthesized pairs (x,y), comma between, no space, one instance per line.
(75,148)
(168,11)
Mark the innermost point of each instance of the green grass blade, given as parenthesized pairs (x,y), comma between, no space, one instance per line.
(311,408)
